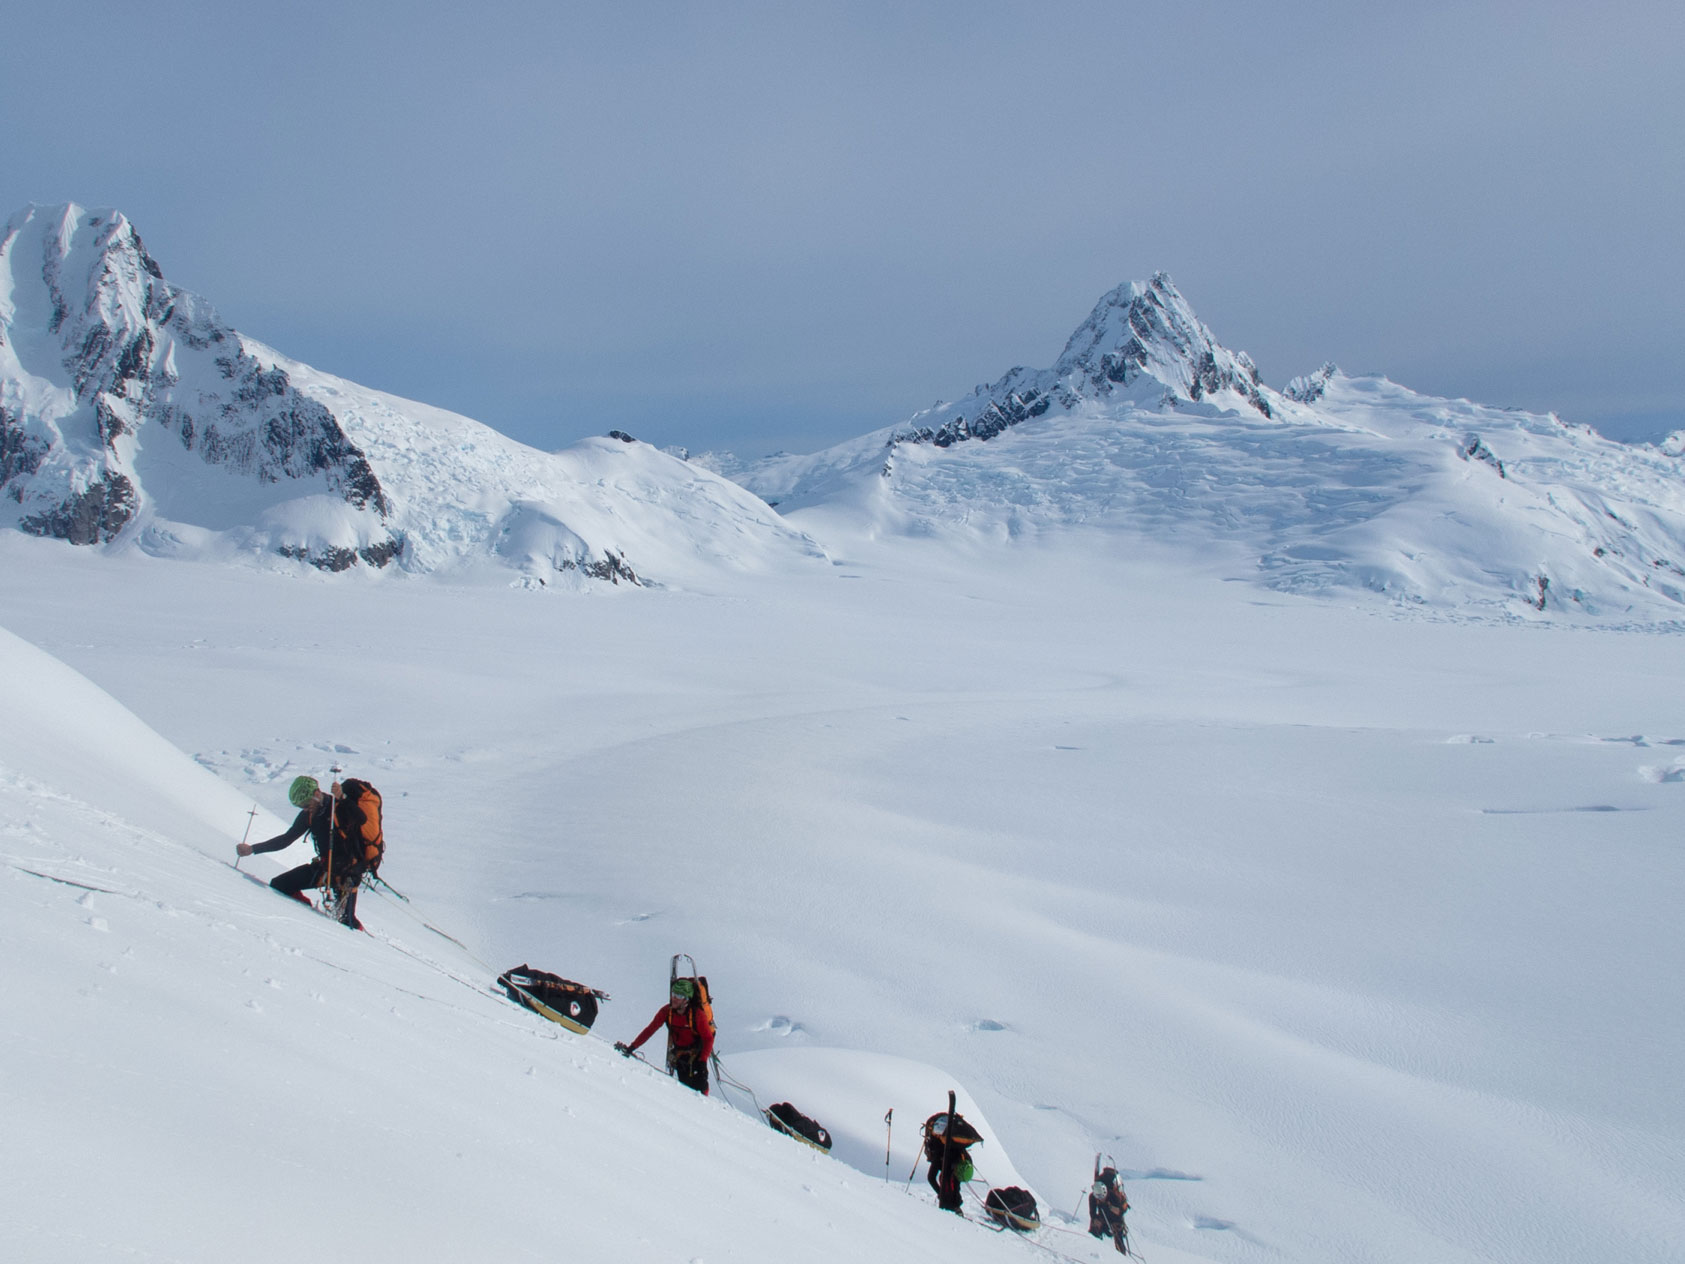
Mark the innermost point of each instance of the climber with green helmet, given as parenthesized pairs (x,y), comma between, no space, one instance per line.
(316,818)
(690,1035)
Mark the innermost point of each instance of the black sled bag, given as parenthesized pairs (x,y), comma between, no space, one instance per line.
(563,1001)
(1013,1208)
(791,1122)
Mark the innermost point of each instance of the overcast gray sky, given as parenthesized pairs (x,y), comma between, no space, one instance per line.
(755,226)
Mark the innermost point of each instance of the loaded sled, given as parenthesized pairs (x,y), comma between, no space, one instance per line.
(1013,1208)
(786,1119)
(573,1005)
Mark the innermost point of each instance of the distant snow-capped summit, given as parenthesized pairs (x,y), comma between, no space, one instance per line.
(93,344)
(130,412)
(1142,344)
(1147,431)
(1150,331)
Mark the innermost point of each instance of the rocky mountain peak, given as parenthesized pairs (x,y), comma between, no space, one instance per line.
(97,350)
(1149,330)
(1141,343)
(131,413)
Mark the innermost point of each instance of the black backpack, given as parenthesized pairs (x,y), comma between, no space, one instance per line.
(358,842)
(936,1138)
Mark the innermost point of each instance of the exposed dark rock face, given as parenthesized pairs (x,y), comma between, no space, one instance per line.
(1150,330)
(296,437)
(92,516)
(337,558)
(1474,449)
(612,568)
(21,453)
(1311,387)
(996,416)
(124,337)
(383,553)
(1135,332)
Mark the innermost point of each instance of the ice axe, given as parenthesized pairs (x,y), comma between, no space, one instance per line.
(250,817)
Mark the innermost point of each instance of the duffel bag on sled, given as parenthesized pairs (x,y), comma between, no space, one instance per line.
(1013,1208)
(573,1005)
(792,1123)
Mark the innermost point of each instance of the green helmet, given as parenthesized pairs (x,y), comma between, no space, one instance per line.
(302,790)
(685,988)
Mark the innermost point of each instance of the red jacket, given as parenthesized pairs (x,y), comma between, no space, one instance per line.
(685,1032)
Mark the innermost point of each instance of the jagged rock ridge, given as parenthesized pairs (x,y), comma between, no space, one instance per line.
(123,353)
(1142,341)
(129,411)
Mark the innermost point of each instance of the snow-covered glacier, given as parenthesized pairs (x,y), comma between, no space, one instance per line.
(1147,432)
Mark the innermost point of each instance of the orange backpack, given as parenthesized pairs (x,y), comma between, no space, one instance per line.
(704,1000)
(357,824)
(707,1002)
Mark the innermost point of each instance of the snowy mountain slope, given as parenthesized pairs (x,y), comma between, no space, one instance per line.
(1150,433)
(1350,938)
(129,411)
(198,1070)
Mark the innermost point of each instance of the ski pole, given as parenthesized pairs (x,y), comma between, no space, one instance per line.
(917,1156)
(327,865)
(889,1133)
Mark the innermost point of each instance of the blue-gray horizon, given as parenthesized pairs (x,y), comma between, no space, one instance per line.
(753,228)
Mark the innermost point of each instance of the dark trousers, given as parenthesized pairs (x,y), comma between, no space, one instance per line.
(295,882)
(1105,1220)
(946,1182)
(691,1071)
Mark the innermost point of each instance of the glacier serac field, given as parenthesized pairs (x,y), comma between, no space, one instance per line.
(1352,936)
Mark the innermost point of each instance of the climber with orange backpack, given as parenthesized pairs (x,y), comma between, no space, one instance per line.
(689,1019)
(344,824)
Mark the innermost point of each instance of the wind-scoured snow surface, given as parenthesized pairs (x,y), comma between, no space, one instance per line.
(1151,433)
(131,416)
(1351,938)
